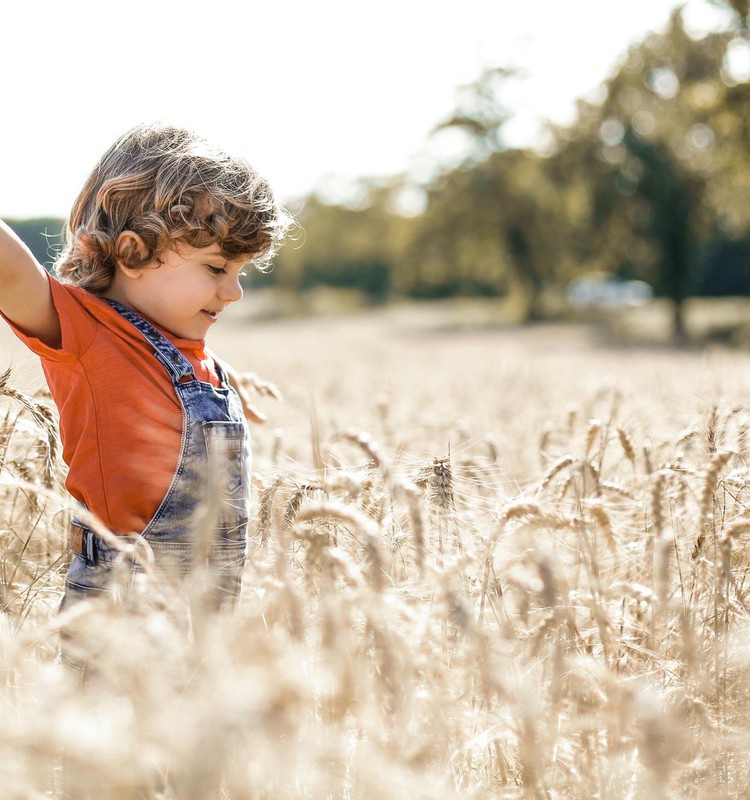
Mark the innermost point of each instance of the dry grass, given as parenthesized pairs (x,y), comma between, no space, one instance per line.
(496,565)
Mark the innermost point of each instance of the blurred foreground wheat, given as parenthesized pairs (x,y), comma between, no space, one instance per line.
(414,624)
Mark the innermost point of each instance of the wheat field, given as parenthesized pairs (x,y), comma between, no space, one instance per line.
(484,563)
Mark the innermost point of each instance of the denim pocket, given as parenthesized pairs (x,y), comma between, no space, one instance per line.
(229,562)
(84,581)
(228,449)
(228,454)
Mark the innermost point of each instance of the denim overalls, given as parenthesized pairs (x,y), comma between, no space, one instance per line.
(202,520)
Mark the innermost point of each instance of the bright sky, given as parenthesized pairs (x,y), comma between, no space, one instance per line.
(306,90)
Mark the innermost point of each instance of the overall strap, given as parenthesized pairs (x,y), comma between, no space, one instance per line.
(176,365)
(220,371)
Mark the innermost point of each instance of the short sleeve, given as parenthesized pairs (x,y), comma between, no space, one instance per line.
(76,323)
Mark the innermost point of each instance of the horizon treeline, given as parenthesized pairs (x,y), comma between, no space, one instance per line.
(650,182)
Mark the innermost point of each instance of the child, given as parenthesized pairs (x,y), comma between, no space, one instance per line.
(156,243)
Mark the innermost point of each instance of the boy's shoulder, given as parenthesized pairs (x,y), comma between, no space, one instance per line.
(81,315)
(78,294)
(72,299)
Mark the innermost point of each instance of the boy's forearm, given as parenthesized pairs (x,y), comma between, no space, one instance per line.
(15,256)
(25,296)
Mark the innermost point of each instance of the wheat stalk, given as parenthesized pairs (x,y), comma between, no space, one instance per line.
(710,482)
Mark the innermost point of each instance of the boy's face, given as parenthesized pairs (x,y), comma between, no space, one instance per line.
(184,291)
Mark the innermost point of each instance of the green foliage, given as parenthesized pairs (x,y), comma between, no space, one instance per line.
(486,230)
(42,235)
(342,246)
(725,267)
(371,277)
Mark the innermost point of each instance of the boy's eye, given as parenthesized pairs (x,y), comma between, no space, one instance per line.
(216,270)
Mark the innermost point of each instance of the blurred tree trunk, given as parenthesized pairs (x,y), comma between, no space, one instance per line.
(675,200)
(679,331)
(515,239)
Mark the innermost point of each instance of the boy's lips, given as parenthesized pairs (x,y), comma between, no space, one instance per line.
(213,315)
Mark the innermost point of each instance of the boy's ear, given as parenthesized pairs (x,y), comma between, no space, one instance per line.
(129,247)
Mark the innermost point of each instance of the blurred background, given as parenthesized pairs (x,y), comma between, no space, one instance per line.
(586,163)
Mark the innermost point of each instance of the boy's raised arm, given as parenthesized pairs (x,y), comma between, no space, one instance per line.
(25,296)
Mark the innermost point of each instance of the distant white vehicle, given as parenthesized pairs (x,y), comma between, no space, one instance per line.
(607,290)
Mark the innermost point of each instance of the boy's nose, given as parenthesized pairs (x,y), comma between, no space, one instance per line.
(230,290)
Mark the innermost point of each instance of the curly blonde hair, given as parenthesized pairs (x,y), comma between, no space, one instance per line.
(170,186)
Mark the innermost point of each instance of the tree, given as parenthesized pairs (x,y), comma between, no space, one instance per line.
(489,221)
(345,246)
(660,153)
(489,228)
(672,199)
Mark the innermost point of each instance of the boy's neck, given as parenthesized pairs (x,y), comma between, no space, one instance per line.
(113,293)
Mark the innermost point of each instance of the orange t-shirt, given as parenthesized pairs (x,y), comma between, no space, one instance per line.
(120,419)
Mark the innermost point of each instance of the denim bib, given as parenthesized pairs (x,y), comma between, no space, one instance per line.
(204,514)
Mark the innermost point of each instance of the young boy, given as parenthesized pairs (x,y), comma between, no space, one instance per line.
(156,244)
